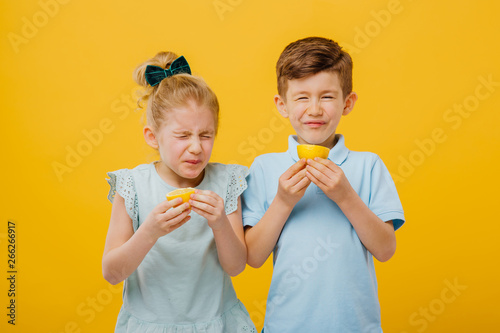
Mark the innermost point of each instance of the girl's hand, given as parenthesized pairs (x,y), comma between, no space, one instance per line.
(330,178)
(293,184)
(211,206)
(166,217)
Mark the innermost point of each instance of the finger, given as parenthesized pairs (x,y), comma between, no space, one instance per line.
(205,192)
(296,167)
(207,197)
(317,173)
(198,205)
(297,177)
(316,181)
(176,211)
(175,225)
(201,212)
(318,162)
(320,171)
(167,204)
(302,184)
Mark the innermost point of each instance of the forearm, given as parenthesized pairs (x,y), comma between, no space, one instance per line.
(231,251)
(376,235)
(120,262)
(262,238)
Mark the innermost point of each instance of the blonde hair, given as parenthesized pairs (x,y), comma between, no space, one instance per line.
(172,92)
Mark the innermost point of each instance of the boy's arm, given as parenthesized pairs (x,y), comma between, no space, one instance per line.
(376,235)
(261,239)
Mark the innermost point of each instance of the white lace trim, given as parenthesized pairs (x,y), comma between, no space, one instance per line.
(236,185)
(121,182)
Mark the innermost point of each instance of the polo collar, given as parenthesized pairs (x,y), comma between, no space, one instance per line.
(338,154)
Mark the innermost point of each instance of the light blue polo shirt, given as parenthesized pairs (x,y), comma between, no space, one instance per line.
(323,277)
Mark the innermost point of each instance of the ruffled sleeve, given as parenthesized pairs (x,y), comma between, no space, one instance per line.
(236,185)
(122,182)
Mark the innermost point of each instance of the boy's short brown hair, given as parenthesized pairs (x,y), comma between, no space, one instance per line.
(312,55)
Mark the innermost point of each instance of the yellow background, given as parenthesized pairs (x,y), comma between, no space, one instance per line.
(66,71)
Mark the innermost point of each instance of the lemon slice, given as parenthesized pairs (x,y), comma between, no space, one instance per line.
(312,151)
(183,193)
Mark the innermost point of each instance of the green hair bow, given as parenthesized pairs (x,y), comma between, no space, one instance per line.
(155,74)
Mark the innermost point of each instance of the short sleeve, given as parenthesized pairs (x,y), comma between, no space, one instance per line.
(253,199)
(384,199)
(122,182)
(236,185)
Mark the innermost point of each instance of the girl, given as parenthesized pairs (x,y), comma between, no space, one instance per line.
(176,257)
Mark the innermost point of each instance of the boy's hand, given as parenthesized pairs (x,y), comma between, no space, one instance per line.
(293,183)
(211,206)
(329,177)
(166,217)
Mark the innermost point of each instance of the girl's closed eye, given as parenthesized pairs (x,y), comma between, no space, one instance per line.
(181,135)
(206,135)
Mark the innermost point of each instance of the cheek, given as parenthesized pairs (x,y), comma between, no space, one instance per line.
(208,146)
(334,109)
(298,110)
(175,148)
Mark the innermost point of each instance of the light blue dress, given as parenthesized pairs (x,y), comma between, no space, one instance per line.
(180,285)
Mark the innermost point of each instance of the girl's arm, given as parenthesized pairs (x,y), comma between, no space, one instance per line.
(261,239)
(227,230)
(124,250)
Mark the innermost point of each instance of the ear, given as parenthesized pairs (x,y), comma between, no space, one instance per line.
(150,137)
(281,105)
(349,103)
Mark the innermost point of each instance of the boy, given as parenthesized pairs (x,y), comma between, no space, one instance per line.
(324,219)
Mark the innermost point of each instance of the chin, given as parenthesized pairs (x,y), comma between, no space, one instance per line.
(318,138)
(192,173)
(314,140)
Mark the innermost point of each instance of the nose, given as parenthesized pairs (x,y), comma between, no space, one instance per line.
(195,146)
(314,108)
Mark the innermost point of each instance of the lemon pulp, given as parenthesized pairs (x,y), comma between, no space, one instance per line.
(312,151)
(183,193)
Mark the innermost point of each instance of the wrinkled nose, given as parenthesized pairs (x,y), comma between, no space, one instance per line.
(314,108)
(195,146)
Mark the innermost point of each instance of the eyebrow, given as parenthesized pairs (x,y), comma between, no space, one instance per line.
(189,132)
(334,91)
